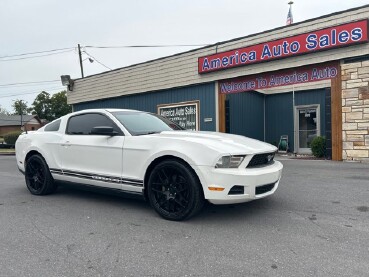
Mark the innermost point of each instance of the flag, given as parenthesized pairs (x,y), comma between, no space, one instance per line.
(289,17)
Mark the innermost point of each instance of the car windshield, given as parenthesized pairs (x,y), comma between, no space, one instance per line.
(141,123)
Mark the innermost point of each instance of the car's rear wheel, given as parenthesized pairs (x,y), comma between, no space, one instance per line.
(38,177)
(174,190)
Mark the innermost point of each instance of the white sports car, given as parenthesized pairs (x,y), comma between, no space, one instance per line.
(143,153)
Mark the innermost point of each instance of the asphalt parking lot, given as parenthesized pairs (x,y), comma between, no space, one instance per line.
(317,224)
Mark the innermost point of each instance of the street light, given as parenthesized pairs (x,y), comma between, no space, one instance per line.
(89,59)
(67,81)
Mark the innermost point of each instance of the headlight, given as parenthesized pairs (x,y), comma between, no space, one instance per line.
(230,161)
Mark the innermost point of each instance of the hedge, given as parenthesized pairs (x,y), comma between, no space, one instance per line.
(11,138)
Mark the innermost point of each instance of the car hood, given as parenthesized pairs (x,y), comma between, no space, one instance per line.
(226,143)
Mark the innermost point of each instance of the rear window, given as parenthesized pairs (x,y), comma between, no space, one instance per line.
(53,126)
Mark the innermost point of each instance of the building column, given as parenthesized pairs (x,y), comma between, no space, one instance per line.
(221,109)
(355,111)
(336,116)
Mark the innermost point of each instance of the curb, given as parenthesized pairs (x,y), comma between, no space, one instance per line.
(301,157)
(7,154)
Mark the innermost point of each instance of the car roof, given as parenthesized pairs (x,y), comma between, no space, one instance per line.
(122,110)
(105,110)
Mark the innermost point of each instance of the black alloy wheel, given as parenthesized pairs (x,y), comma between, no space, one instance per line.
(38,178)
(174,191)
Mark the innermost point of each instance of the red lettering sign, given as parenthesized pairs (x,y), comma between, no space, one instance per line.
(311,73)
(329,38)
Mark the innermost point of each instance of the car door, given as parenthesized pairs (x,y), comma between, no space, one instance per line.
(92,159)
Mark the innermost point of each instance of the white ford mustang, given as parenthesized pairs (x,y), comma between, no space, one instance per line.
(143,153)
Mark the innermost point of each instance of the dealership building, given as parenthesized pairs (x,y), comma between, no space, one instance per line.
(295,82)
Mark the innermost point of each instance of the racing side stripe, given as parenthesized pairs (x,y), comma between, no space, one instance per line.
(98,177)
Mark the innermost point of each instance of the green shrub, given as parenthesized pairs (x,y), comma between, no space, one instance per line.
(318,146)
(11,138)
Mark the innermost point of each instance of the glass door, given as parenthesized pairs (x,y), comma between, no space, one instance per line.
(308,127)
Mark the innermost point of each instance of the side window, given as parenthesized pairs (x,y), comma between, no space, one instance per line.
(53,126)
(83,124)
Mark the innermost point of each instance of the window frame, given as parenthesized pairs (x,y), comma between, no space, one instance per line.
(119,130)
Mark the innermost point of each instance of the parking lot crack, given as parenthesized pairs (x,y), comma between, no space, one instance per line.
(87,264)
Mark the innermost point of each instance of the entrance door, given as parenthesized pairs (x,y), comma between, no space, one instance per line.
(307,127)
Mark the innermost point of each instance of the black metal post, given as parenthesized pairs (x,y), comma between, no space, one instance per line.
(80,59)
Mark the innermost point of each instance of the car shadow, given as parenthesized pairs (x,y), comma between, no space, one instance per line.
(250,211)
(244,211)
(100,195)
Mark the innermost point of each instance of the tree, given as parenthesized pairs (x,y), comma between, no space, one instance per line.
(41,106)
(59,106)
(20,107)
(3,111)
(51,107)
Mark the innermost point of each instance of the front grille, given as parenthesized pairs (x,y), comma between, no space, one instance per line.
(237,190)
(260,160)
(264,189)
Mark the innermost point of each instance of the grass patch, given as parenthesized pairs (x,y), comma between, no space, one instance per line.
(7,151)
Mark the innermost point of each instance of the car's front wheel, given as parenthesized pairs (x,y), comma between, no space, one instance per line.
(174,190)
(38,177)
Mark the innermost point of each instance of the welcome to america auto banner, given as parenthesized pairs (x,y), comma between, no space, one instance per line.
(312,73)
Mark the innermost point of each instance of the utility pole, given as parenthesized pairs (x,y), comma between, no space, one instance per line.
(80,59)
(21,112)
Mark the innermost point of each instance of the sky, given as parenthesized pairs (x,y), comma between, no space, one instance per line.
(29,26)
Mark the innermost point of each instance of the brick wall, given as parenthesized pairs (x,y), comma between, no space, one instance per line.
(29,127)
(7,129)
(355,111)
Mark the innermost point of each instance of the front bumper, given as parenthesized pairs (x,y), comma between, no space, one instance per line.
(20,165)
(248,178)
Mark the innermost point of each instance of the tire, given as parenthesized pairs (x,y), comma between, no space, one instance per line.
(174,191)
(38,177)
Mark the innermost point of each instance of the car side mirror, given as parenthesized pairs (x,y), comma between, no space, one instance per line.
(103,130)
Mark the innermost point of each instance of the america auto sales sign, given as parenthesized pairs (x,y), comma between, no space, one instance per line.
(315,41)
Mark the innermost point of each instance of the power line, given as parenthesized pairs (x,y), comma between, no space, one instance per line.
(39,52)
(30,86)
(26,83)
(27,87)
(147,46)
(36,56)
(68,49)
(102,47)
(97,60)
(27,93)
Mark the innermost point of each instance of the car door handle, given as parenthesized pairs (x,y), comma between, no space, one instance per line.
(67,143)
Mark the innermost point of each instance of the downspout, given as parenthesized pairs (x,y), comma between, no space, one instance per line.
(264,118)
